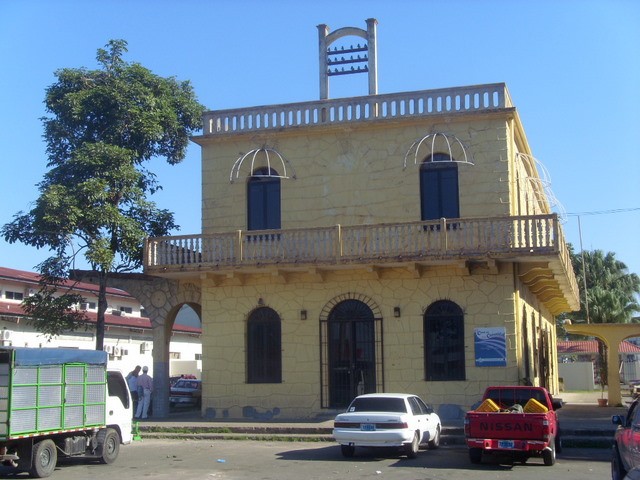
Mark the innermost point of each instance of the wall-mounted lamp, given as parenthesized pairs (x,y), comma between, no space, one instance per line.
(303,314)
(396,312)
(260,301)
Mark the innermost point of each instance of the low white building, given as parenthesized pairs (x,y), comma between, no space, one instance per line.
(128,337)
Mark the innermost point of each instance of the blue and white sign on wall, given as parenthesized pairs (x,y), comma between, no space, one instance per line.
(491,346)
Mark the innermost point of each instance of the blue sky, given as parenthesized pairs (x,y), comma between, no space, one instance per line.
(572,68)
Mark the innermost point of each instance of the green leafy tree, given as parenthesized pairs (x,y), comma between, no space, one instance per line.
(104,126)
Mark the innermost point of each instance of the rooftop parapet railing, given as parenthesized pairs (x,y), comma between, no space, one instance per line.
(421,103)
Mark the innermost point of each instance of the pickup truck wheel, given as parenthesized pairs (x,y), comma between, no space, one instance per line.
(475,455)
(413,447)
(44,459)
(347,450)
(435,441)
(558,441)
(549,455)
(108,445)
(617,470)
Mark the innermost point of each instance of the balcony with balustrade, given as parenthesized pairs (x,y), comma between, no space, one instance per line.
(534,241)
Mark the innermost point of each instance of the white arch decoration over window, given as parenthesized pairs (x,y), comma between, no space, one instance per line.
(539,181)
(437,143)
(261,157)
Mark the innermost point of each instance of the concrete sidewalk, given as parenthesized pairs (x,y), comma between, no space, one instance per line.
(583,423)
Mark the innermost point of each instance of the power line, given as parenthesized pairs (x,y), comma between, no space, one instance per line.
(603,212)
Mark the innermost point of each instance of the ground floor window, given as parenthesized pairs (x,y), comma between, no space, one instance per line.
(444,342)
(264,347)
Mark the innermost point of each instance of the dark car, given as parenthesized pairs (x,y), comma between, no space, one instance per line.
(186,392)
(626,442)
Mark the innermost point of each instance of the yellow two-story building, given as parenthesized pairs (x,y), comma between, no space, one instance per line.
(398,242)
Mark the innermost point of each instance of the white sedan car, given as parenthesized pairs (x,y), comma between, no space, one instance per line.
(387,420)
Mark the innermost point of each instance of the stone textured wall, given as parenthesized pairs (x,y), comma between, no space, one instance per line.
(487,300)
(355,176)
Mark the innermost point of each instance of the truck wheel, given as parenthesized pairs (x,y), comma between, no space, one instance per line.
(617,470)
(413,447)
(44,458)
(347,450)
(435,441)
(108,445)
(558,441)
(549,455)
(475,455)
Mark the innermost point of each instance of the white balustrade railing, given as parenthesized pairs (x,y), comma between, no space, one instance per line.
(535,234)
(358,109)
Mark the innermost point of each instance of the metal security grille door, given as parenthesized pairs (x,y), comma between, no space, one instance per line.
(352,352)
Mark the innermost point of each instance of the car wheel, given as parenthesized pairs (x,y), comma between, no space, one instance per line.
(347,450)
(475,455)
(549,455)
(617,470)
(413,447)
(44,459)
(435,441)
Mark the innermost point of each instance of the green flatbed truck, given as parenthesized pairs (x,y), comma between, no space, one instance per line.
(60,402)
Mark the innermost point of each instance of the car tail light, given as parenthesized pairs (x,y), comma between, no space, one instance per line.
(395,425)
(546,431)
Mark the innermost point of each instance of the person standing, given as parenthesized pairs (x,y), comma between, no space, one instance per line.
(145,383)
(132,383)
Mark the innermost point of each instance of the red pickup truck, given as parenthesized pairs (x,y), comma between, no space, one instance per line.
(518,421)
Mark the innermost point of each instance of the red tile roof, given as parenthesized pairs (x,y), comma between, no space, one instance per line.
(33,278)
(124,321)
(591,346)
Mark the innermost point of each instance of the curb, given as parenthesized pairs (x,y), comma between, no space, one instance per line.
(451,436)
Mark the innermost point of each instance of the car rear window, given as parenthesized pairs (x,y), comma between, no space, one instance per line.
(396,405)
(186,384)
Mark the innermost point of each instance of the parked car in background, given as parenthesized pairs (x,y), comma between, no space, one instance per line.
(397,420)
(625,455)
(186,392)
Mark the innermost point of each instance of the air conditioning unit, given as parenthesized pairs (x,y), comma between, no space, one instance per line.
(116,351)
(6,334)
(108,349)
(116,312)
(146,347)
(84,306)
(124,351)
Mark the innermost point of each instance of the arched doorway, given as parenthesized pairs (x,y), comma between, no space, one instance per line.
(352,345)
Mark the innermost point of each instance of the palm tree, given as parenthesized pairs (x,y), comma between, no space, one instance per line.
(611,292)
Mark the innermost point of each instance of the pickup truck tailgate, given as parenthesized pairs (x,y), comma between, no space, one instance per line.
(501,425)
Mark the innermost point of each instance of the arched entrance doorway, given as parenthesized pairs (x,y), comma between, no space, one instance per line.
(352,344)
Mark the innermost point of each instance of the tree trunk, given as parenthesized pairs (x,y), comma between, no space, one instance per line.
(102,308)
